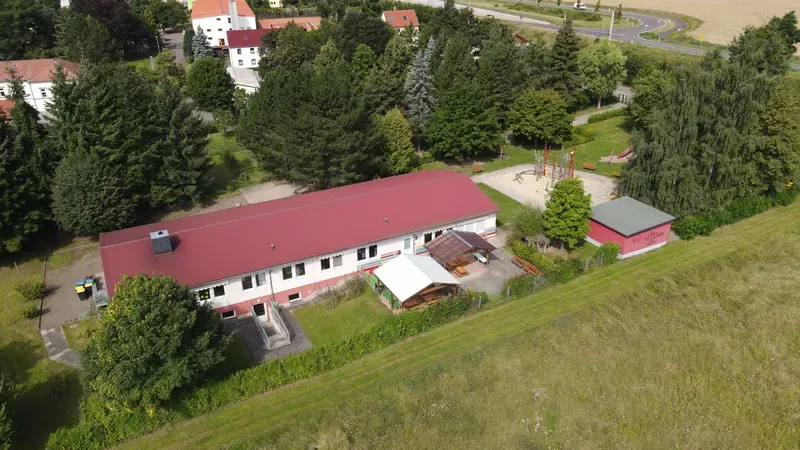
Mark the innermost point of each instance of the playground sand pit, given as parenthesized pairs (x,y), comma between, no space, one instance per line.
(527,189)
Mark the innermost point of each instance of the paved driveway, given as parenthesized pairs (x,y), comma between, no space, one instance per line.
(61,304)
(174,42)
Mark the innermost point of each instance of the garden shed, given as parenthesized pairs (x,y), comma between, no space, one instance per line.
(413,280)
(636,227)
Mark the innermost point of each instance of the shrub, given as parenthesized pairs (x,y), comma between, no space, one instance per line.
(581,135)
(351,288)
(693,226)
(523,285)
(563,270)
(599,117)
(100,429)
(528,222)
(608,252)
(30,312)
(230,161)
(30,289)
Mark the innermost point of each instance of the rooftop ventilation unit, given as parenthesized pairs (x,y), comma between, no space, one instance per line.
(160,241)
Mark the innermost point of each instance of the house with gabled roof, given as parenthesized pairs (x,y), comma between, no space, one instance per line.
(285,250)
(37,79)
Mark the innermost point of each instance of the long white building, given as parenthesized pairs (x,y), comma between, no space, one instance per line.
(37,77)
(285,250)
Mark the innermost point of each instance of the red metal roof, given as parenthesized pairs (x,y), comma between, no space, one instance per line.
(401,18)
(245,38)
(222,244)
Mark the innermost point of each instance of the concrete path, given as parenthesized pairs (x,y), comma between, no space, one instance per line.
(58,349)
(584,118)
(174,42)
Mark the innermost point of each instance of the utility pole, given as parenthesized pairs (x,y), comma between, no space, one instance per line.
(611,26)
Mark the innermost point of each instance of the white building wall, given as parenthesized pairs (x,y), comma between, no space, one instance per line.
(216,28)
(37,94)
(309,282)
(245,57)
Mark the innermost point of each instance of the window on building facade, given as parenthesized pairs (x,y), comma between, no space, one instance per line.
(228,314)
(204,294)
(219,291)
(373,251)
(44,93)
(208,30)
(238,51)
(295,296)
(300,269)
(252,50)
(407,243)
(287,272)
(247,282)
(325,263)
(428,237)
(2,93)
(219,18)
(252,61)
(361,254)
(337,261)
(241,62)
(261,279)
(229,20)
(438,233)
(219,29)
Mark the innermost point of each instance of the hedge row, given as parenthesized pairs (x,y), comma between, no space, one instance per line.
(587,16)
(101,428)
(703,224)
(599,117)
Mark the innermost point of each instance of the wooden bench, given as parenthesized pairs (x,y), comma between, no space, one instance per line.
(526,266)
(477,168)
(616,174)
(460,271)
(589,166)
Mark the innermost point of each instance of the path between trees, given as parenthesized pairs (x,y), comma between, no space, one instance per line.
(55,341)
(584,118)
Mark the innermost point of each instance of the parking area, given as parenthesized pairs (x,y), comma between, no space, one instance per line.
(61,304)
(266,191)
(492,277)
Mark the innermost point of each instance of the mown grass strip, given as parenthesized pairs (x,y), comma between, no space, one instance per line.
(236,422)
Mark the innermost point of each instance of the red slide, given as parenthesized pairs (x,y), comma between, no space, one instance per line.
(626,152)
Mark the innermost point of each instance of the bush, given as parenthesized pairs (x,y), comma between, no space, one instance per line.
(605,115)
(101,429)
(608,252)
(571,14)
(30,312)
(581,135)
(529,222)
(523,285)
(30,289)
(563,270)
(350,289)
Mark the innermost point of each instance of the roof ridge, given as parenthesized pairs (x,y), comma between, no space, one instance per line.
(50,62)
(265,214)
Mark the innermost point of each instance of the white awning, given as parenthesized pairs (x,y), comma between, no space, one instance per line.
(406,275)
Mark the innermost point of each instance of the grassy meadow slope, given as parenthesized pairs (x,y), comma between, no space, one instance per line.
(689,346)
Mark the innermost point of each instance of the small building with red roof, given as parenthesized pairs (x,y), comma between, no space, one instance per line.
(401,19)
(37,79)
(285,250)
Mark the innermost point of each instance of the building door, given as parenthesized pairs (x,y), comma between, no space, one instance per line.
(408,246)
(259,309)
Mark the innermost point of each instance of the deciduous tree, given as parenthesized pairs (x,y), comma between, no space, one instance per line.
(778,152)
(541,116)
(358,28)
(650,87)
(165,14)
(209,84)
(328,55)
(120,21)
(602,68)
(6,425)
(567,212)
(154,339)
(534,59)
(463,125)
(81,38)
(290,48)
(363,61)
(400,155)
(26,28)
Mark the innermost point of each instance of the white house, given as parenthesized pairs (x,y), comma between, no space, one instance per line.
(37,76)
(245,79)
(285,250)
(217,17)
(244,44)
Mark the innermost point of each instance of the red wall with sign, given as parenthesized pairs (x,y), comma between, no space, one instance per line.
(647,238)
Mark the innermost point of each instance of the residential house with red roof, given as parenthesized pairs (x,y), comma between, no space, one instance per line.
(37,79)
(401,19)
(244,44)
(217,17)
(285,250)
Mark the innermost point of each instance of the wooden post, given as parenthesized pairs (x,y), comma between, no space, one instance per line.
(508,292)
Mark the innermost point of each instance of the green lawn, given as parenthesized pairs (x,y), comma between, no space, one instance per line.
(323,324)
(509,207)
(689,346)
(227,179)
(78,333)
(611,135)
(47,392)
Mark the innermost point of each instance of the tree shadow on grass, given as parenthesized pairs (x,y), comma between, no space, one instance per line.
(44,407)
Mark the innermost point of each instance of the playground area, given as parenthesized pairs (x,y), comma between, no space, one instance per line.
(527,184)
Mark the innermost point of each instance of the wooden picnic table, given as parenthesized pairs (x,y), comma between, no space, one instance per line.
(589,166)
(460,271)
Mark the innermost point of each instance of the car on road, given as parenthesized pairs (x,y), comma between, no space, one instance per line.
(579,5)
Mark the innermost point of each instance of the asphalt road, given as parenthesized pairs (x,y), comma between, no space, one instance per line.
(631,35)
